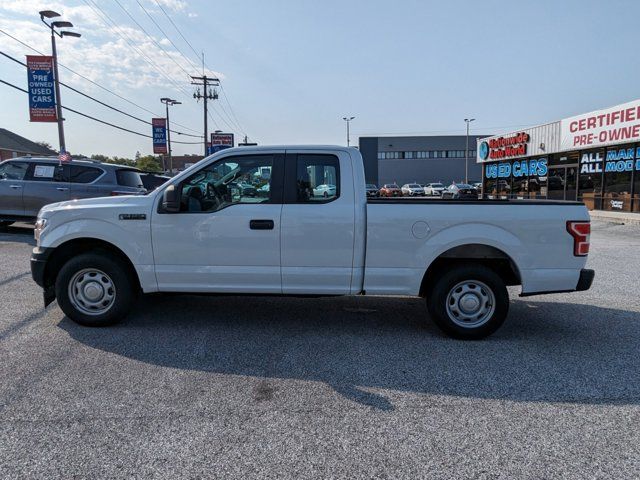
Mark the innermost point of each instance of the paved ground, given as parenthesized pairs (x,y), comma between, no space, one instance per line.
(251,387)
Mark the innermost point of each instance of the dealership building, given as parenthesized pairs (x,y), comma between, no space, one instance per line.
(421,159)
(593,158)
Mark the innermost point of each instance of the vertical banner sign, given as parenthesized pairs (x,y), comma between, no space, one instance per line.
(159,126)
(42,97)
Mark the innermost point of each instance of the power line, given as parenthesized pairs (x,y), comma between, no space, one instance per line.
(237,122)
(92,82)
(191,63)
(94,118)
(100,102)
(102,14)
(152,39)
(177,29)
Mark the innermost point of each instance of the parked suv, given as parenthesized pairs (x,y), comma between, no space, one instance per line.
(27,184)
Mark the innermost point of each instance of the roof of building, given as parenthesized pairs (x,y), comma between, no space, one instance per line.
(15,143)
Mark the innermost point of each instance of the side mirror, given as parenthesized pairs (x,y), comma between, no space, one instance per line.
(171,199)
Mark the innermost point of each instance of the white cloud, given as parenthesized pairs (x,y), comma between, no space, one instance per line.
(176,5)
(116,58)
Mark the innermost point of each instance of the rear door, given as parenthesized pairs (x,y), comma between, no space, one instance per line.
(46,182)
(12,176)
(318,230)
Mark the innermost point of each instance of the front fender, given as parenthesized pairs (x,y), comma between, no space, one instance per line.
(134,241)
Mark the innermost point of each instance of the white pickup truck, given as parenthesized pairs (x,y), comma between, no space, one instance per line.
(296,221)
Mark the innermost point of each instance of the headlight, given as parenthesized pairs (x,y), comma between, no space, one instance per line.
(40,224)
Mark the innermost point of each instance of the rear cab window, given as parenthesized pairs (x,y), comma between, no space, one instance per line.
(317,178)
(129,178)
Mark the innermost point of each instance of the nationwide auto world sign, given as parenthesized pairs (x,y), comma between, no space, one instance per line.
(507,146)
(42,98)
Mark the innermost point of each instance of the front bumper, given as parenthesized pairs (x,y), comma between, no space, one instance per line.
(39,259)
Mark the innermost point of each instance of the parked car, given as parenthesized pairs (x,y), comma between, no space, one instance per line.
(390,190)
(412,190)
(433,189)
(94,255)
(29,183)
(243,189)
(372,190)
(476,185)
(325,190)
(460,191)
(152,180)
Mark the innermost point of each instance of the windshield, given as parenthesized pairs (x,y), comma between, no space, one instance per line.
(437,185)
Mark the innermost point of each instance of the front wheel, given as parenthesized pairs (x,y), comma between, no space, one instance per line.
(468,302)
(95,289)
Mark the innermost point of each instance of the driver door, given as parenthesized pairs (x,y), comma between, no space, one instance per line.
(226,237)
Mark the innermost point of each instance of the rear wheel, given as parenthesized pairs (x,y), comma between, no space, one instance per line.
(95,289)
(468,302)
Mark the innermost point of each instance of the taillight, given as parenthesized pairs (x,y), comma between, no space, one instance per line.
(580,231)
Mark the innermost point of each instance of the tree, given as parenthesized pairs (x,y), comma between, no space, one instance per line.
(45,145)
(149,163)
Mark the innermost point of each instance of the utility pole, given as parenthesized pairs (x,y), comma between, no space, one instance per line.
(56,78)
(466,152)
(167,102)
(348,120)
(207,94)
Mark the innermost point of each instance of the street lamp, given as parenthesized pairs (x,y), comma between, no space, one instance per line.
(167,102)
(65,33)
(466,152)
(348,119)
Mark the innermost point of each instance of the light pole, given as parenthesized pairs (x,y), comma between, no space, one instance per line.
(167,102)
(52,26)
(466,152)
(348,120)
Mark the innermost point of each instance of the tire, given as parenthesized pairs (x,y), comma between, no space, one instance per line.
(99,277)
(475,287)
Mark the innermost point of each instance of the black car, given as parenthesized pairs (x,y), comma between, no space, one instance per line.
(151,180)
(372,190)
(460,191)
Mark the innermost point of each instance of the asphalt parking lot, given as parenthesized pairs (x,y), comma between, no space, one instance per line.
(224,387)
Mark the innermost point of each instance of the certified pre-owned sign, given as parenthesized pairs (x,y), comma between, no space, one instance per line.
(613,125)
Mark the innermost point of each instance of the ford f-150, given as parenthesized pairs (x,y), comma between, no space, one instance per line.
(202,233)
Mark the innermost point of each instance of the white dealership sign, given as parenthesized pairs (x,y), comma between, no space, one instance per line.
(615,125)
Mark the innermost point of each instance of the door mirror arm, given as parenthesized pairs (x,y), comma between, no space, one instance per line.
(171,199)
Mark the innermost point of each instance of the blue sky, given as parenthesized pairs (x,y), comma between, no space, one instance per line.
(291,69)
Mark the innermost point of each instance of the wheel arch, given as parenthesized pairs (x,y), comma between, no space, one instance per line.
(69,249)
(492,257)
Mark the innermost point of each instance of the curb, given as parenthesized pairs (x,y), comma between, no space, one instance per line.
(623,218)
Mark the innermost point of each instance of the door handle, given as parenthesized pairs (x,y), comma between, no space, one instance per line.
(261,224)
(15,187)
(62,189)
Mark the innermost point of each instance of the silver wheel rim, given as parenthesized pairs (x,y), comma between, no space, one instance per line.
(470,304)
(92,291)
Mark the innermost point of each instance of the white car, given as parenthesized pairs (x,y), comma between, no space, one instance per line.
(325,191)
(412,190)
(434,189)
(192,235)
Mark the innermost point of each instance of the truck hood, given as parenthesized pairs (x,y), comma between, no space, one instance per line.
(120,202)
